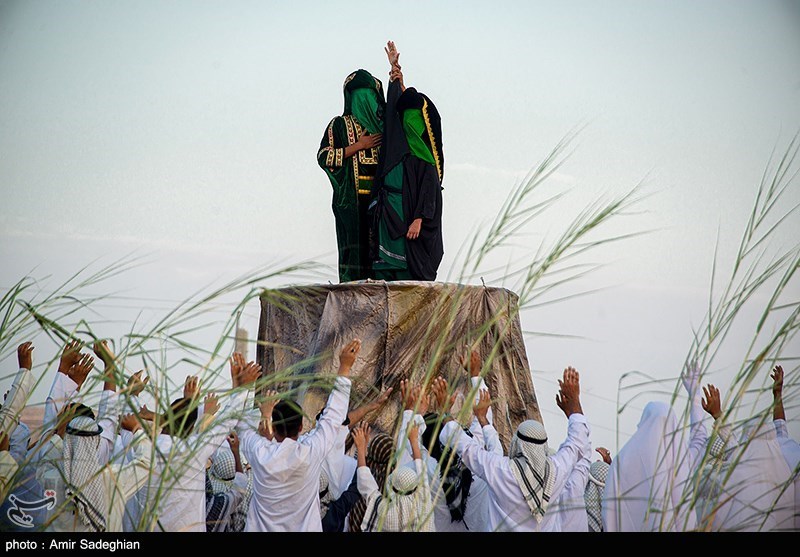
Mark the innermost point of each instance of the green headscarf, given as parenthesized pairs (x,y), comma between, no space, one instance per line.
(414,127)
(364,106)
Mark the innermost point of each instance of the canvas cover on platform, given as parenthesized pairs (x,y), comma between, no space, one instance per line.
(407,329)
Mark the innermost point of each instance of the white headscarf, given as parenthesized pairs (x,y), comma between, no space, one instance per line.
(757,493)
(647,489)
(593,495)
(83,473)
(407,508)
(531,466)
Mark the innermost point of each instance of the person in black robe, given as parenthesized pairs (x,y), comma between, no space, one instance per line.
(406,241)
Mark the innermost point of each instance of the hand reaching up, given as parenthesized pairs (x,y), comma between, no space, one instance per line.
(481,408)
(135,383)
(347,357)
(569,394)
(70,356)
(237,366)
(24,357)
(210,404)
(605,454)
(712,403)
(191,387)
(80,370)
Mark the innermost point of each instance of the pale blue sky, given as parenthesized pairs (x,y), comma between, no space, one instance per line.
(188,130)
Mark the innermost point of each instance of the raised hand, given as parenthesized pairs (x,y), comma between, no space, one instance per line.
(360,435)
(605,454)
(24,357)
(690,377)
(711,402)
(407,394)
(381,400)
(777,381)
(233,442)
(569,394)
(146,414)
(130,422)
(210,405)
(102,351)
(347,356)
(396,75)
(70,356)
(249,375)
(481,408)
(81,369)
(135,383)
(420,399)
(443,402)
(392,54)
(191,387)
(237,366)
(267,405)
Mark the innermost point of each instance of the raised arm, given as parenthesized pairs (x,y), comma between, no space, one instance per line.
(367,486)
(20,389)
(395,73)
(712,404)
(321,438)
(697,430)
(778,412)
(73,368)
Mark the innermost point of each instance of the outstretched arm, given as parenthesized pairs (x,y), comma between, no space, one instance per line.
(778,412)
(395,73)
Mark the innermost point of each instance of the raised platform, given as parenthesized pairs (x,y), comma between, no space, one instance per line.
(408,329)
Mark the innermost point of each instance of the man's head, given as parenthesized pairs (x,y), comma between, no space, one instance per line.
(180,418)
(70,411)
(287,420)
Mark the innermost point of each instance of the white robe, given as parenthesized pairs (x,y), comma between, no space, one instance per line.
(757,494)
(476,515)
(648,487)
(508,510)
(286,474)
(176,492)
(791,452)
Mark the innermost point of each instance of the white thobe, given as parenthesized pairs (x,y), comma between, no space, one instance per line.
(176,500)
(648,487)
(508,510)
(121,480)
(757,494)
(476,514)
(286,474)
(570,507)
(791,452)
(16,400)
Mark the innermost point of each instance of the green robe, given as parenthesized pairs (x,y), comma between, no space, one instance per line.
(351,180)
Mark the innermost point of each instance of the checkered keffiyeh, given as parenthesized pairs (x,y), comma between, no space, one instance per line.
(531,467)
(408,507)
(223,470)
(593,495)
(379,455)
(83,473)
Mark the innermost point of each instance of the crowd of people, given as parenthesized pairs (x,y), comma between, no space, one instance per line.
(220,463)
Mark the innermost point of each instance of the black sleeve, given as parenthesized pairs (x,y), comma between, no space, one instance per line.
(339,509)
(428,191)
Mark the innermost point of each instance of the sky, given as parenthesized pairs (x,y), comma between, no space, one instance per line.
(186,133)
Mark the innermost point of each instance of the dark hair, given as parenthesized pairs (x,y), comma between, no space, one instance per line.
(287,418)
(180,417)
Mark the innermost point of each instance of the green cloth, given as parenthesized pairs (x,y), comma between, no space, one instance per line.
(364,106)
(414,126)
(391,251)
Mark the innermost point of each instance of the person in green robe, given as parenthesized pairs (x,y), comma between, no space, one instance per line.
(407,203)
(348,153)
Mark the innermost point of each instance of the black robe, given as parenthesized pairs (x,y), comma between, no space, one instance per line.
(422,196)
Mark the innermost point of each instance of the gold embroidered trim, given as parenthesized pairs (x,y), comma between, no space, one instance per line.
(432,140)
